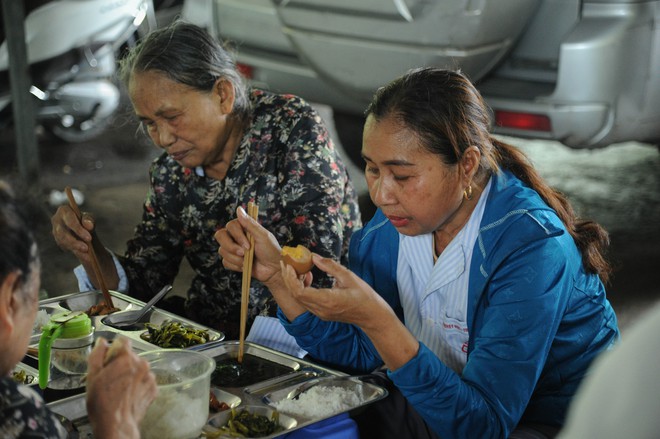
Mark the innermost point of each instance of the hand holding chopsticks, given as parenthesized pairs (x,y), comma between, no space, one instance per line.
(95,262)
(253,212)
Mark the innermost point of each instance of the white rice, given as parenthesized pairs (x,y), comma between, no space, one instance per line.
(174,415)
(320,401)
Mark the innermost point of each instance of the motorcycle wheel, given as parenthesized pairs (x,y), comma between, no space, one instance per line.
(78,131)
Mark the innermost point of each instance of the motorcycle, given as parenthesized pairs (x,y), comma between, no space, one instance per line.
(72,49)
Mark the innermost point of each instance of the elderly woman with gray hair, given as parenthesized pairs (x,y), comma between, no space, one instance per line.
(224,145)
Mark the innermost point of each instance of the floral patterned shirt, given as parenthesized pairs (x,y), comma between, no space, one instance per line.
(287,164)
(24,414)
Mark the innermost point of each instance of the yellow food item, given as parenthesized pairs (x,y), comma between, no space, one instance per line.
(299,257)
(114,349)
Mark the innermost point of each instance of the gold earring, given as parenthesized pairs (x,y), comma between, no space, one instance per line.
(467,193)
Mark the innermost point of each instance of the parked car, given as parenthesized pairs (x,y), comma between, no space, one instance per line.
(585,73)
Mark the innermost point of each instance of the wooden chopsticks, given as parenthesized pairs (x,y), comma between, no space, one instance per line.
(253,212)
(95,262)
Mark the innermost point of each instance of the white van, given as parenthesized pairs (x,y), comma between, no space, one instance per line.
(585,73)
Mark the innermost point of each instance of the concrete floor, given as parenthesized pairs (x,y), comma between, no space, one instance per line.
(618,187)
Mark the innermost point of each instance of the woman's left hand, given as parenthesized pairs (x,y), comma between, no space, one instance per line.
(353,301)
(350,300)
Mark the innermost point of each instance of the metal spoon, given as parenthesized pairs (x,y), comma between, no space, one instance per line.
(130,318)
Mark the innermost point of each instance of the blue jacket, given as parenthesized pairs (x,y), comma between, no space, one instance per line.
(536,321)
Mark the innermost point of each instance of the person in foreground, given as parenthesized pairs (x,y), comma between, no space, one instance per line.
(474,285)
(118,392)
(620,398)
(224,146)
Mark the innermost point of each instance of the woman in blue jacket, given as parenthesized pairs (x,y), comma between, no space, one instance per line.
(475,285)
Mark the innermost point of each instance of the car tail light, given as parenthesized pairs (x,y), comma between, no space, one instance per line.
(522,121)
(246,70)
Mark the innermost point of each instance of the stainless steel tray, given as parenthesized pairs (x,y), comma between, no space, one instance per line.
(83,301)
(297,370)
(357,392)
(258,395)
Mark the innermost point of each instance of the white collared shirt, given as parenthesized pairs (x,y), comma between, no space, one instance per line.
(434,296)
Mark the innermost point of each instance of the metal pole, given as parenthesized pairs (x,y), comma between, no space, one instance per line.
(27,151)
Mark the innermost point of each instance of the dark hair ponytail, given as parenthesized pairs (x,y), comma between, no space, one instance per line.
(590,237)
(448,114)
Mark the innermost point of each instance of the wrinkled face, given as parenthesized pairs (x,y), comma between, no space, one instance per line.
(415,190)
(192,126)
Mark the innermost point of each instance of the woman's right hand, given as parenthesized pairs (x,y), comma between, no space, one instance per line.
(235,244)
(120,388)
(71,234)
(78,237)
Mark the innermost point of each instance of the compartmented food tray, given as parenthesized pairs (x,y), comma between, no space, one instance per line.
(25,374)
(323,397)
(276,378)
(139,335)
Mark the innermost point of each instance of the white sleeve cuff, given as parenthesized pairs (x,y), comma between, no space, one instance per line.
(269,332)
(84,284)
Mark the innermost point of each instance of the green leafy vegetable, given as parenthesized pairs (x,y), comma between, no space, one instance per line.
(245,424)
(175,335)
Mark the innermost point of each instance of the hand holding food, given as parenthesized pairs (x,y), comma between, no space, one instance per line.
(350,300)
(120,388)
(299,257)
(115,347)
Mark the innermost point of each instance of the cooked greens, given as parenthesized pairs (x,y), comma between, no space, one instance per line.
(245,424)
(175,335)
(23,377)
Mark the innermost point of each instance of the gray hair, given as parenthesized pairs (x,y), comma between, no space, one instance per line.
(189,55)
